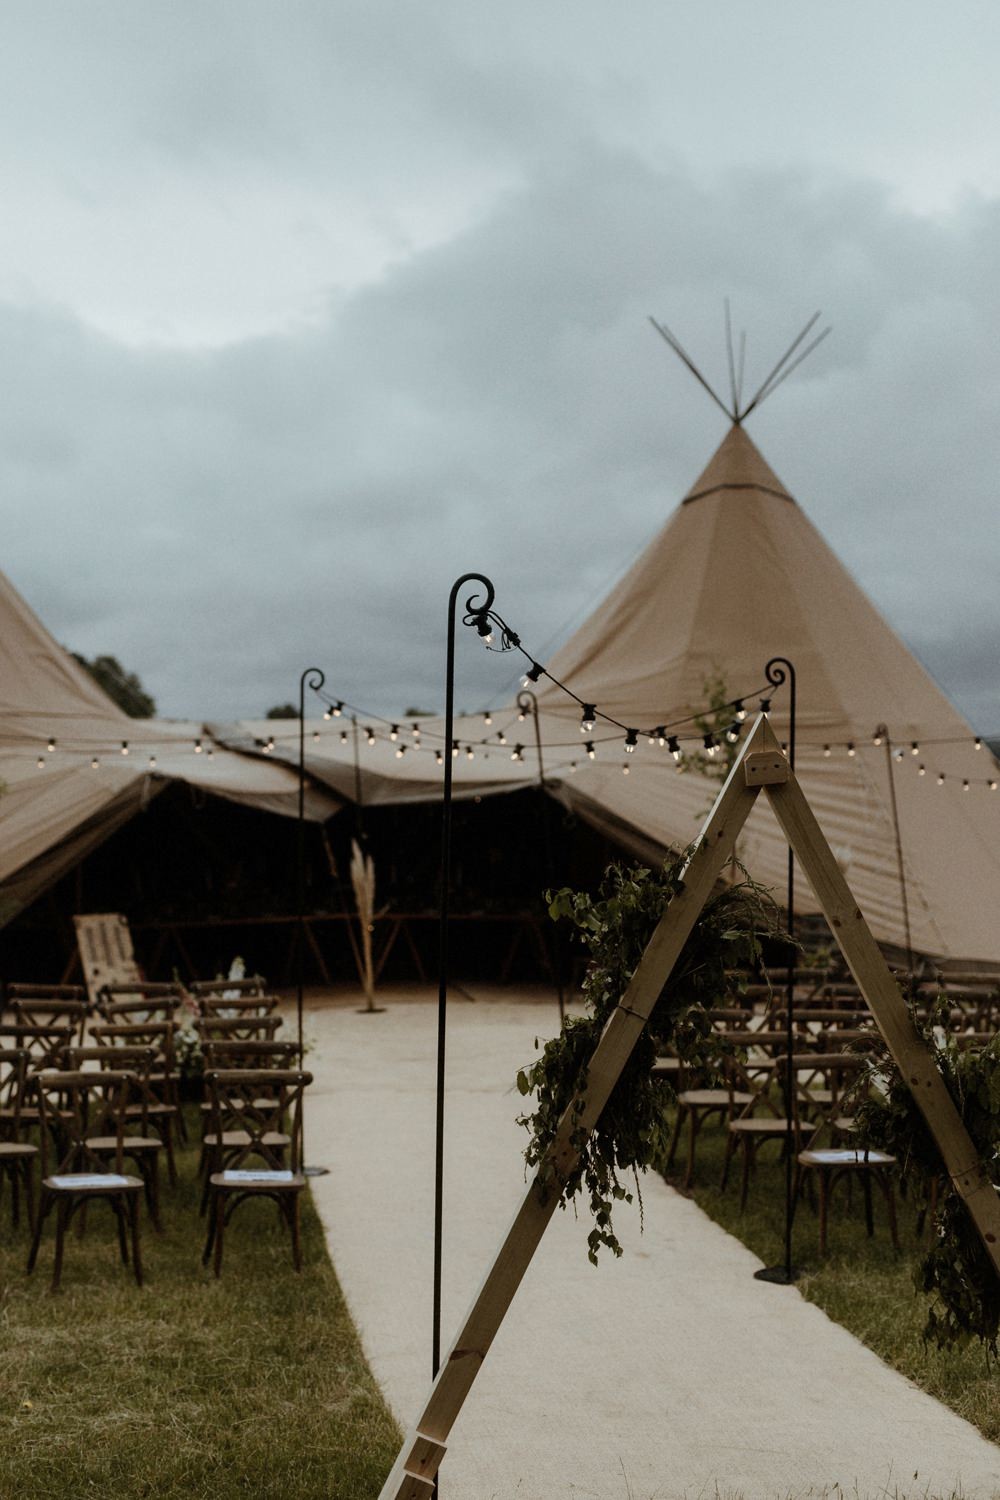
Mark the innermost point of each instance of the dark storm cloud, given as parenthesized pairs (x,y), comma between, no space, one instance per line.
(220,519)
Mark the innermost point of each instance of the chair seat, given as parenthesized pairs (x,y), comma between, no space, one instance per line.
(846,1158)
(717,1098)
(12,1150)
(131,1143)
(760,1126)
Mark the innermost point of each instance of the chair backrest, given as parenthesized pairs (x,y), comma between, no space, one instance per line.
(251,1101)
(212,1006)
(46,992)
(254,984)
(75,1105)
(252,1054)
(139,1010)
(43,1044)
(13,1087)
(237,1028)
(51,1012)
(139,1062)
(156,1034)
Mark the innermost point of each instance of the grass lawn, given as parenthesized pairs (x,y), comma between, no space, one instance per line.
(252,1386)
(862,1284)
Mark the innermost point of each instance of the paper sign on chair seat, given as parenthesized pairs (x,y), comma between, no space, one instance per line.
(253,1175)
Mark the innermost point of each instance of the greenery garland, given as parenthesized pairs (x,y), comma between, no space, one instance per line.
(615,926)
(956,1272)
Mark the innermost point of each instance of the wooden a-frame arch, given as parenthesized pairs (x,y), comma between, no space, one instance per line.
(761,766)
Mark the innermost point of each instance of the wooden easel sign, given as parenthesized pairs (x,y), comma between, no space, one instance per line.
(761,767)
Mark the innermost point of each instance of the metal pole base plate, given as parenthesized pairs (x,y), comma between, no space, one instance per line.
(779,1275)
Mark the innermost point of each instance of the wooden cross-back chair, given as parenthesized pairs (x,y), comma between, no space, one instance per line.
(17,1155)
(45,1046)
(234,1053)
(165,1114)
(75,1106)
(142,1143)
(250,1158)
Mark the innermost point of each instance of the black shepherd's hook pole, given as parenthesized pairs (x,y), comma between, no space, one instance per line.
(312,677)
(528,703)
(474,609)
(779,670)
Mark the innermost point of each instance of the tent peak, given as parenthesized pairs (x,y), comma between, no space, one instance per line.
(734,408)
(737,464)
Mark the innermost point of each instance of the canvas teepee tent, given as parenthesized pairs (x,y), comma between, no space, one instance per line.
(738,575)
(58,803)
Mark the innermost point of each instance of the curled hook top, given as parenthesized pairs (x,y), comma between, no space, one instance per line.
(775,670)
(527,702)
(313,678)
(471,606)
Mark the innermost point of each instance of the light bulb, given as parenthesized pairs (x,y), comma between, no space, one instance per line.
(315,734)
(124,747)
(572,767)
(765,705)
(197,747)
(740,712)
(877,737)
(921,770)
(591,752)
(673,745)
(152,761)
(625,768)
(708,741)
(851,750)
(415,729)
(343,736)
(487,718)
(454,749)
(470,754)
(51,746)
(965,786)
(400,751)
(992,786)
(338,708)
(733,732)
(328,712)
(41,762)
(940,780)
(394,732)
(94,763)
(914,748)
(631,740)
(588,718)
(439,757)
(977,742)
(897,755)
(501,737)
(827,751)
(370,736)
(532,674)
(516,753)
(521,716)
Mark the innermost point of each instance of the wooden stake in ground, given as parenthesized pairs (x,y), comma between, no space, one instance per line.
(761,766)
(363,881)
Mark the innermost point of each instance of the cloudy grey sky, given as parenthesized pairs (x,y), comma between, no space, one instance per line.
(305,309)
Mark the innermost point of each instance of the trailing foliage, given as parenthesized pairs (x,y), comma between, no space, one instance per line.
(615,926)
(957,1272)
